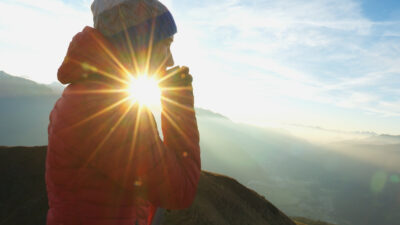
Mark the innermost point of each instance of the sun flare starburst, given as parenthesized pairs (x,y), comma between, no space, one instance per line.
(145,90)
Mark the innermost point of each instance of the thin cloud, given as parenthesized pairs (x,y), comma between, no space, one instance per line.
(320,51)
(36,34)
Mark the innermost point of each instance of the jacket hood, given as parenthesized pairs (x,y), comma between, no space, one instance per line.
(89,52)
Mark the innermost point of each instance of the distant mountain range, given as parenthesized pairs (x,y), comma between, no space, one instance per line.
(352,182)
(12,86)
(322,135)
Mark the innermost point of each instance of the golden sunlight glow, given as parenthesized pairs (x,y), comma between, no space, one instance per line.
(144,89)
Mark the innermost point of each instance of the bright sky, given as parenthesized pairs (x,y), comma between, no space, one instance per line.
(328,63)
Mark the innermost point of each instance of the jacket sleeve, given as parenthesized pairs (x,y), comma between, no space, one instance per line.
(172,183)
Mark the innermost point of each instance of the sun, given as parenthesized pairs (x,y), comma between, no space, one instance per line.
(144,89)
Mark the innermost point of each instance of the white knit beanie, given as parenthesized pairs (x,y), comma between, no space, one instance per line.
(113,18)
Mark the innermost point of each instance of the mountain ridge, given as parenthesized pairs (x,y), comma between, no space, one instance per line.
(14,86)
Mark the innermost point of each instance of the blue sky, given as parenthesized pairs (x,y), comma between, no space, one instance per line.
(381,10)
(334,64)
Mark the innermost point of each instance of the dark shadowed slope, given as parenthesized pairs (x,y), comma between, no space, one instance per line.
(306,221)
(220,200)
(23,199)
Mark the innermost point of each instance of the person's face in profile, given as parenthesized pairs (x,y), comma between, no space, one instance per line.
(161,56)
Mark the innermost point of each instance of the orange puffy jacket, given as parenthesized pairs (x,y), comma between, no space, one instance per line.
(106,164)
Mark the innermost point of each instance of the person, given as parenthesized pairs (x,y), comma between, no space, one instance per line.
(106,163)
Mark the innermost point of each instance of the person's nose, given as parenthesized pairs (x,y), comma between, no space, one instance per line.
(170,61)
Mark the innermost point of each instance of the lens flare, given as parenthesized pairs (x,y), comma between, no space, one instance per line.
(144,89)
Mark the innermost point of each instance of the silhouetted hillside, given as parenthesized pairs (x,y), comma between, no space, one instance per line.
(306,221)
(23,198)
(12,86)
(220,200)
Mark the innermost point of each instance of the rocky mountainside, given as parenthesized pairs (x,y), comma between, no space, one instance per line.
(220,199)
